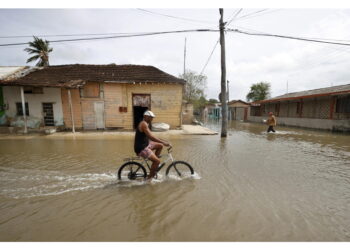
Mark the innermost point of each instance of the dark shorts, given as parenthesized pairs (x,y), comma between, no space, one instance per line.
(147,151)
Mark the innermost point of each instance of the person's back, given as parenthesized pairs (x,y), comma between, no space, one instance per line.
(145,142)
(141,140)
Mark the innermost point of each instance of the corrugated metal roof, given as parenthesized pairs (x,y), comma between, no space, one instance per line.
(311,93)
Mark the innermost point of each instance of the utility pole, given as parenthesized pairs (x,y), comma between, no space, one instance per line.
(185,57)
(287,86)
(223,75)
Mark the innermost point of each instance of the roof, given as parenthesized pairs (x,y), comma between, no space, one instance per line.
(341,89)
(8,71)
(76,75)
(237,101)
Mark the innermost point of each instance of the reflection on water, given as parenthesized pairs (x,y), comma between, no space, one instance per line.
(252,186)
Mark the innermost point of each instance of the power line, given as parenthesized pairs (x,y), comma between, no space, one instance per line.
(252,13)
(314,38)
(121,36)
(234,16)
(287,37)
(216,44)
(181,18)
(258,14)
(98,34)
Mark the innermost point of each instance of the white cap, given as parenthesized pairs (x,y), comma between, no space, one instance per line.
(149,113)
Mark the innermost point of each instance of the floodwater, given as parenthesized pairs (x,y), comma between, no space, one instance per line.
(252,186)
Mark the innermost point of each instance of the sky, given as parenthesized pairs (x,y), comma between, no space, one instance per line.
(288,65)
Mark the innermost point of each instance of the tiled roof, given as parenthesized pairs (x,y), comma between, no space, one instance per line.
(75,75)
(311,93)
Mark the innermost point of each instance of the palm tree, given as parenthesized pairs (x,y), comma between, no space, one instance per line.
(259,91)
(41,49)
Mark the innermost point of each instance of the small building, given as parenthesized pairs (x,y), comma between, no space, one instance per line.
(325,108)
(238,110)
(94,96)
(213,111)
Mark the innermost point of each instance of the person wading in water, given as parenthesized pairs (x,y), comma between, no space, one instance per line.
(145,142)
(271,122)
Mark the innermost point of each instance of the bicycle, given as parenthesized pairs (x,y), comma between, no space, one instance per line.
(133,169)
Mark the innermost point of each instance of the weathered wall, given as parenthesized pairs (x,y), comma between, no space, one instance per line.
(76,108)
(187,113)
(166,101)
(13,94)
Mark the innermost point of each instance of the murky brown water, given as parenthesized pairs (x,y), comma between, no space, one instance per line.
(252,186)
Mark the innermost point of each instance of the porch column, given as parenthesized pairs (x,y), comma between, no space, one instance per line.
(24,111)
(301,108)
(71,110)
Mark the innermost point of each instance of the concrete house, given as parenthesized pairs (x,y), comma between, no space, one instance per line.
(325,108)
(238,110)
(43,102)
(96,96)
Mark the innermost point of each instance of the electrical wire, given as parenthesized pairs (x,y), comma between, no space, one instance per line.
(287,37)
(180,18)
(250,14)
(98,34)
(234,16)
(211,54)
(121,36)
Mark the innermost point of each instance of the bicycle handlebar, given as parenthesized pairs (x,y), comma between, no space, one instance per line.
(170,148)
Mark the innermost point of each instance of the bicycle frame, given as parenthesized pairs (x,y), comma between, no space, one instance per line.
(170,158)
(138,158)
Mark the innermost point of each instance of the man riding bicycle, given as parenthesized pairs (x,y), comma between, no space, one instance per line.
(145,142)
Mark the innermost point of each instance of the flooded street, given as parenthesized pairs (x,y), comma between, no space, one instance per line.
(252,186)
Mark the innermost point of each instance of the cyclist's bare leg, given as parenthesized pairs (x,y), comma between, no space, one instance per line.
(155,163)
(158,147)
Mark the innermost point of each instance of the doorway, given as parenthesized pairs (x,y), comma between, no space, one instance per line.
(141,103)
(48,114)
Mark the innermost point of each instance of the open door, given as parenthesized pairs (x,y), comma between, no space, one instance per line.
(141,103)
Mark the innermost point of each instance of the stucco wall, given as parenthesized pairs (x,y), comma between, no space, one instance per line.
(53,95)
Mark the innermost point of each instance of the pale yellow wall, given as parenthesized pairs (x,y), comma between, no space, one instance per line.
(166,101)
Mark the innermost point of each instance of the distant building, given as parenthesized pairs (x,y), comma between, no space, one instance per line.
(325,108)
(238,110)
(93,96)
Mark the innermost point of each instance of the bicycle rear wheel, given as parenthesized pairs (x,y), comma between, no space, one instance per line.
(179,169)
(132,171)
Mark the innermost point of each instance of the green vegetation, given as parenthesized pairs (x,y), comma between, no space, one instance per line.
(41,50)
(259,91)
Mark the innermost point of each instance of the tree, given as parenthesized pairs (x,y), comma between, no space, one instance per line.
(259,91)
(199,104)
(195,86)
(213,101)
(41,50)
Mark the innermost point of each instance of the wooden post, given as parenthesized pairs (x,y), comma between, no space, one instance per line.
(185,57)
(24,111)
(331,111)
(301,108)
(223,76)
(71,110)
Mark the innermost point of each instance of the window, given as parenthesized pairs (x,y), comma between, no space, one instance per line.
(20,110)
(90,90)
(343,104)
(33,90)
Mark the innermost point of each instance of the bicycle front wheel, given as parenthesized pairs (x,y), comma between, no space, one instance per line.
(179,169)
(132,171)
